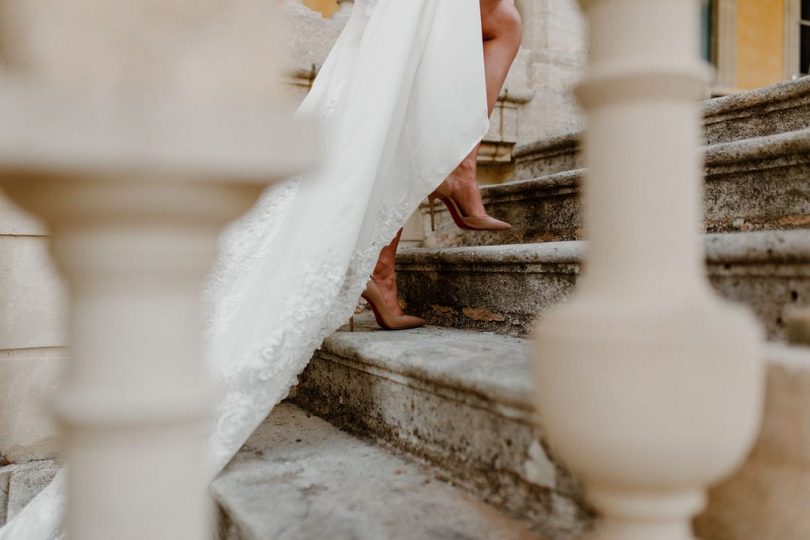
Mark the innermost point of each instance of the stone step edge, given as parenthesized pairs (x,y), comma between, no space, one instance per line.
(746,155)
(780,97)
(792,146)
(238,491)
(520,405)
(776,449)
(770,151)
(788,374)
(516,405)
(505,464)
(734,248)
(550,147)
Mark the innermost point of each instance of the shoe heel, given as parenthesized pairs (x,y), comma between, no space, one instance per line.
(351,324)
(431,199)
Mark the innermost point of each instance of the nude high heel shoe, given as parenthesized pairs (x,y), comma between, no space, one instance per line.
(467,223)
(385,318)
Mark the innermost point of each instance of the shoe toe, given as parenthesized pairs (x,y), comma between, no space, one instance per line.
(415,322)
(500,225)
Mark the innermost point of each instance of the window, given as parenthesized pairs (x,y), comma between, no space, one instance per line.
(797,38)
(707,31)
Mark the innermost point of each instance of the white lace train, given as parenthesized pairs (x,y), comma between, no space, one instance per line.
(403,96)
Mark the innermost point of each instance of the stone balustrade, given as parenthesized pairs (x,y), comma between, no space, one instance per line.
(134,172)
(629,373)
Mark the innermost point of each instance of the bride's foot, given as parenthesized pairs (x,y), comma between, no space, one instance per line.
(460,193)
(388,315)
(381,293)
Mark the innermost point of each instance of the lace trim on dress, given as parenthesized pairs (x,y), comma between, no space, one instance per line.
(253,381)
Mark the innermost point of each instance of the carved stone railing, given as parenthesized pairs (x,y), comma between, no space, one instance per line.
(648,386)
(131,132)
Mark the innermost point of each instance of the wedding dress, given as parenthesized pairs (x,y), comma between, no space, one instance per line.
(403,97)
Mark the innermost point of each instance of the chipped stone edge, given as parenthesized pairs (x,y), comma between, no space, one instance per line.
(759,153)
(547,253)
(553,146)
(452,468)
(756,153)
(781,97)
(518,407)
(753,155)
(755,247)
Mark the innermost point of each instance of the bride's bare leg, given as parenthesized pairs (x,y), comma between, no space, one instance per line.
(501,25)
(502,33)
(385,275)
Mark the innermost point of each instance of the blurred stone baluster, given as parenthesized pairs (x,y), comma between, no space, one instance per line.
(136,130)
(648,386)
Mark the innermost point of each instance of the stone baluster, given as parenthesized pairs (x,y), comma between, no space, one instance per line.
(135,153)
(648,386)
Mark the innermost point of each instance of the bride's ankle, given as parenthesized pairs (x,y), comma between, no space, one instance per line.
(457,183)
(385,279)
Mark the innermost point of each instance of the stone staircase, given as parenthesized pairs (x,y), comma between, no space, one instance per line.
(452,402)
(299,478)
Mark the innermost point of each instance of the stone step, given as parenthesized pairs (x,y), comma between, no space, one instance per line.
(752,184)
(503,288)
(774,109)
(300,478)
(766,111)
(459,400)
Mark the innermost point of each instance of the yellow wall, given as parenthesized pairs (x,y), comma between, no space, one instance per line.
(327,7)
(760,42)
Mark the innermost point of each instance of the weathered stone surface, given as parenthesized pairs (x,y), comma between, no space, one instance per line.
(459,400)
(767,111)
(548,156)
(353,377)
(505,122)
(759,183)
(26,480)
(554,34)
(5,476)
(32,311)
(769,496)
(27,377)
(32,332)
(299,478)
(767,270)
(514,282)
(754,184)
